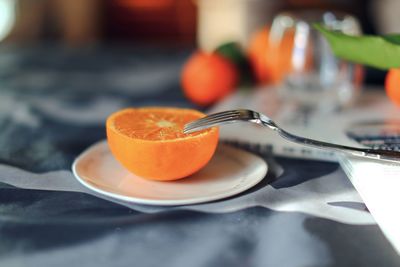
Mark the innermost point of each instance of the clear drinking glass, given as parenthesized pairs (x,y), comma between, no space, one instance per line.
(313,77)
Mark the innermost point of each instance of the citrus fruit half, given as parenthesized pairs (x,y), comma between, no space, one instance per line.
(150,142)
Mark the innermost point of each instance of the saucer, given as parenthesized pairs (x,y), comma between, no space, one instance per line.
(230,172)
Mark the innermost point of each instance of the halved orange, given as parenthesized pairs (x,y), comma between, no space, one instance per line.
(150,142)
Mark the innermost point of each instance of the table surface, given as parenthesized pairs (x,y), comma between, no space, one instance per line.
(53,103)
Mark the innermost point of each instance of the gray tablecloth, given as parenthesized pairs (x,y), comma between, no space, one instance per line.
(53,103)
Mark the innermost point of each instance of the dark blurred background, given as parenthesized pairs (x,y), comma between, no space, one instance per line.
(179,23)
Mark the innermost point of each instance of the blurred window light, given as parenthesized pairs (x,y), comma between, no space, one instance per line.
(301,39)
(7,17)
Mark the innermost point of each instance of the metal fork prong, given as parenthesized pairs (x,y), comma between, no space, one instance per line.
(212,119)
(211,122)
(201,126)
(215,118)
(219,115)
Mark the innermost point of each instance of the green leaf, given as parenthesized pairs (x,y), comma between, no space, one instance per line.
(393,38)
(234,53)
(381,52)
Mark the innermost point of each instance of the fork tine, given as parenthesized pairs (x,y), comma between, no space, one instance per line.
(211,120)
(216,116)
(222,114)
(206,124)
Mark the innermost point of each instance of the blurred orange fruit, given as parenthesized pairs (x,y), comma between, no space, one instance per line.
(257,53)
(270,61)
(392,85)
(208,77)
(150,142)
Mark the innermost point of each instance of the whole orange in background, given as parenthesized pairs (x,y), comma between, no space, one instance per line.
(208,77)
(150,142)
(270,60)
(281,56)
(392,85)
(257,53)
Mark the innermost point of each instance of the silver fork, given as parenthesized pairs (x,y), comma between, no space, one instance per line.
(232,116)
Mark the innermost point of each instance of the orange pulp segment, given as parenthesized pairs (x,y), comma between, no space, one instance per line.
(150,142)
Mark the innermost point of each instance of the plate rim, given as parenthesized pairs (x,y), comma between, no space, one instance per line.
(154,202)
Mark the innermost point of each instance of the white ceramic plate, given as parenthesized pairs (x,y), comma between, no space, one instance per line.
(230,172)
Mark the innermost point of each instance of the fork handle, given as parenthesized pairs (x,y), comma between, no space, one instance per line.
(381,154)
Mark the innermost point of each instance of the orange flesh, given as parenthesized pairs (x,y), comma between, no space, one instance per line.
(150,142)
(157,125)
